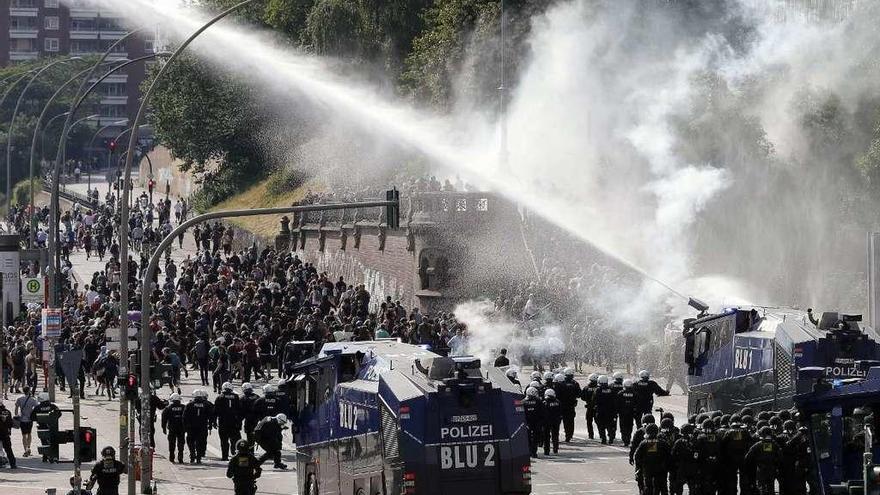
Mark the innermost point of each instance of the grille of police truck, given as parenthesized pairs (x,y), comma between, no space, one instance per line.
(389,433)
(784,368)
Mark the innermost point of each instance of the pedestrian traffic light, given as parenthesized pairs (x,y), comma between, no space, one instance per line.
(48,447)
(131,387)
(392,212)
(88,444)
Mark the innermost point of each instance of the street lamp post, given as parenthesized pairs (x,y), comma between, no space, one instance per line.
(146,466)
(12,125)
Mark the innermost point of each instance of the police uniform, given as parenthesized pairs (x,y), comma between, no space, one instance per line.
(107,473)
(243,469)
(683,465)
(198,417)
(626,410)
(568,393)
(268,436)
(707,448)
(652,460)
(6,426)
(604,401)
(534,411)
(765,458)
(227,411)
(552,419)
(645,391)
(174,426)
(251,417)
(587,394)
(735,443)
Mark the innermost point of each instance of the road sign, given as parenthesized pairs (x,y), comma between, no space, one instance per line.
(112,334)
(33,290)
(51,323)
(70,363)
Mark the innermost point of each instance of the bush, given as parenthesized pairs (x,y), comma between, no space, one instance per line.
(286,180)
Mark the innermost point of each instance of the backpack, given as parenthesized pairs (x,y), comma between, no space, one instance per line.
(18,356)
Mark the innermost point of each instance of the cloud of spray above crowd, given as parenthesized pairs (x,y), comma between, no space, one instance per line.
(618,132)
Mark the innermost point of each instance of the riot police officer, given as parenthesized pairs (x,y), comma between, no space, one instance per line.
(548,382)
(268,435)
(174,426)
(6,426)
(243,470)
(283,394)
(647,419)
(106,473)
(626,410)
(155,404)
(805,470)
(552,418)
(46,415)
(227,413)
(587,395)
(268,405)
(199,419)
(248,406)
(682,462)
(617,381)
(652,461)
(511,375)
(646,389)
(568,400)
(765,458)
(735,443)
(707,450)
(606,411)
(534,412)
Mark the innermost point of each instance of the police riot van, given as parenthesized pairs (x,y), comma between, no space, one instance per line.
(383,417)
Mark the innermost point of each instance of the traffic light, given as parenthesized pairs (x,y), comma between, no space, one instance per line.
(392,212)
(48,447)
(131,387)
(88,444)
(112,145)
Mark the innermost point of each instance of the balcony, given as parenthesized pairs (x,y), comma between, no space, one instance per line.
(29,55)
(22,11)
(114,100)
(23,32)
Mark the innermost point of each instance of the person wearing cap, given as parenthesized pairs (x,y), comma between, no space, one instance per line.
(174,426)
(243,469)
(587,395)
(552,419)
(568,392)
(533,407)
(199,419)
(268,435)
(106,473)
(227,412)
(605,402)
(626,410)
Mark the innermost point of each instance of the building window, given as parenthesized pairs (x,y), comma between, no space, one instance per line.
(52,22)
(51,4)
(51,44)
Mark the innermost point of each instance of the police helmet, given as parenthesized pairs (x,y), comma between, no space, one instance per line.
(648,419)
(687,429)
(200,394)
(511,373)
(747,411)
(269,389)
(725,420)
(627,383)
(789,426)
(247,386)
(548,375)
(618,376)
(735,419)
(692,419)
(549,393)
(281,418)
(708,425)
(593,377)
(775,422)
(761,424)
(667,424)
(766,432)
(748,420)
(536,375)
(227,386)
(784,415)
(667,414)
(568,372)
(716,414)
(532,392)
(764,416)
(603,380)
(558,378)
(43,397)
(175,397)
(535,384)
(701,418)
(241,446)
(644,375)
(651,430)
(108,451)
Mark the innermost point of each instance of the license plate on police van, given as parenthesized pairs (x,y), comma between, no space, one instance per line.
(468,456)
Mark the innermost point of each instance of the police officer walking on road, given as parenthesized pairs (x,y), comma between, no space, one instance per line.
(552,418)
(646,389)
(107,473)
(244,469)
(652,461)
(587,395)
(199,419)
(626,411)
(248,403)
(227,410)
(534,411)
(6,426)
(606,411)
(568,400)
(174,425)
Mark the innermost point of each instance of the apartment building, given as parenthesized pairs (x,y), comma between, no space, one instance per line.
(47,28)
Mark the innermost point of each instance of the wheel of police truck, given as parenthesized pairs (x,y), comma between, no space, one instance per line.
(312,485)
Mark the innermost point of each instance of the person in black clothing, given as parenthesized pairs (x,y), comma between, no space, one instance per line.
(587,395)
(243,470)
(652,460)
(269,404)
(682,462)
(647,419)
(735,443)
(6,426)
(707,455)
(155,404)
(626,410)
(568,393)
(46,415)
(198,417)
(646,389)
(268,435)
(534,411)
(174,426)
(552,418)
(605,402)
(764,459)
(227,410)
(107,473)
(502,360)
(248,403)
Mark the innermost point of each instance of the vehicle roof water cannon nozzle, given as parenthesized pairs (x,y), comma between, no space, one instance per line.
(698,305)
